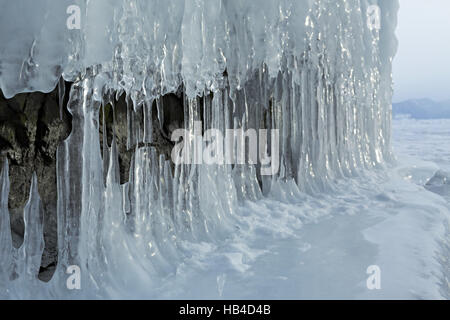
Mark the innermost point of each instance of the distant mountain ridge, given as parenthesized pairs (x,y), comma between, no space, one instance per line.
(422,109)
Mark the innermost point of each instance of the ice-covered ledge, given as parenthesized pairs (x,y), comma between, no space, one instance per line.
(318,72)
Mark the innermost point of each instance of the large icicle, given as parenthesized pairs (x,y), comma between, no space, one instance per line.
(6,247)
(30,253)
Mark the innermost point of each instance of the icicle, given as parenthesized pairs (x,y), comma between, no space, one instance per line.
(30,252)
(148,121)
(113,168)
(61,94)
(6,248)
(160,109)
(131,139)
(106,149)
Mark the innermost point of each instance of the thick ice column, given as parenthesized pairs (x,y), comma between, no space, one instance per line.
(30,253)
(69,172)
(80,186)
(6,248)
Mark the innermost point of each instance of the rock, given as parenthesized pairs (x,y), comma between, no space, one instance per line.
(439,183)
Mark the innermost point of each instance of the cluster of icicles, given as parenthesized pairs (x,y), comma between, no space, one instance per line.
(330,103)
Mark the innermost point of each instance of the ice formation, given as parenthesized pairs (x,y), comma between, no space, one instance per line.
(313,69)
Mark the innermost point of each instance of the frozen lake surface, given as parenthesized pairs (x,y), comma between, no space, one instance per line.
(428,140)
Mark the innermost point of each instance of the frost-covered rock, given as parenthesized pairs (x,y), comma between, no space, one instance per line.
(439,183)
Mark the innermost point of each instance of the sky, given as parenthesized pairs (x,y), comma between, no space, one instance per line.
(422,65)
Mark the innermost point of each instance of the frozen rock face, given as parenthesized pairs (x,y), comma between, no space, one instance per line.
(31,129)
(315,74)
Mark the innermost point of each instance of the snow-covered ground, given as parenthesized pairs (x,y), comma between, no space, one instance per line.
(321,246)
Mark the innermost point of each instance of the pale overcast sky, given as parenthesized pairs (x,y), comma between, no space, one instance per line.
(422,64)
